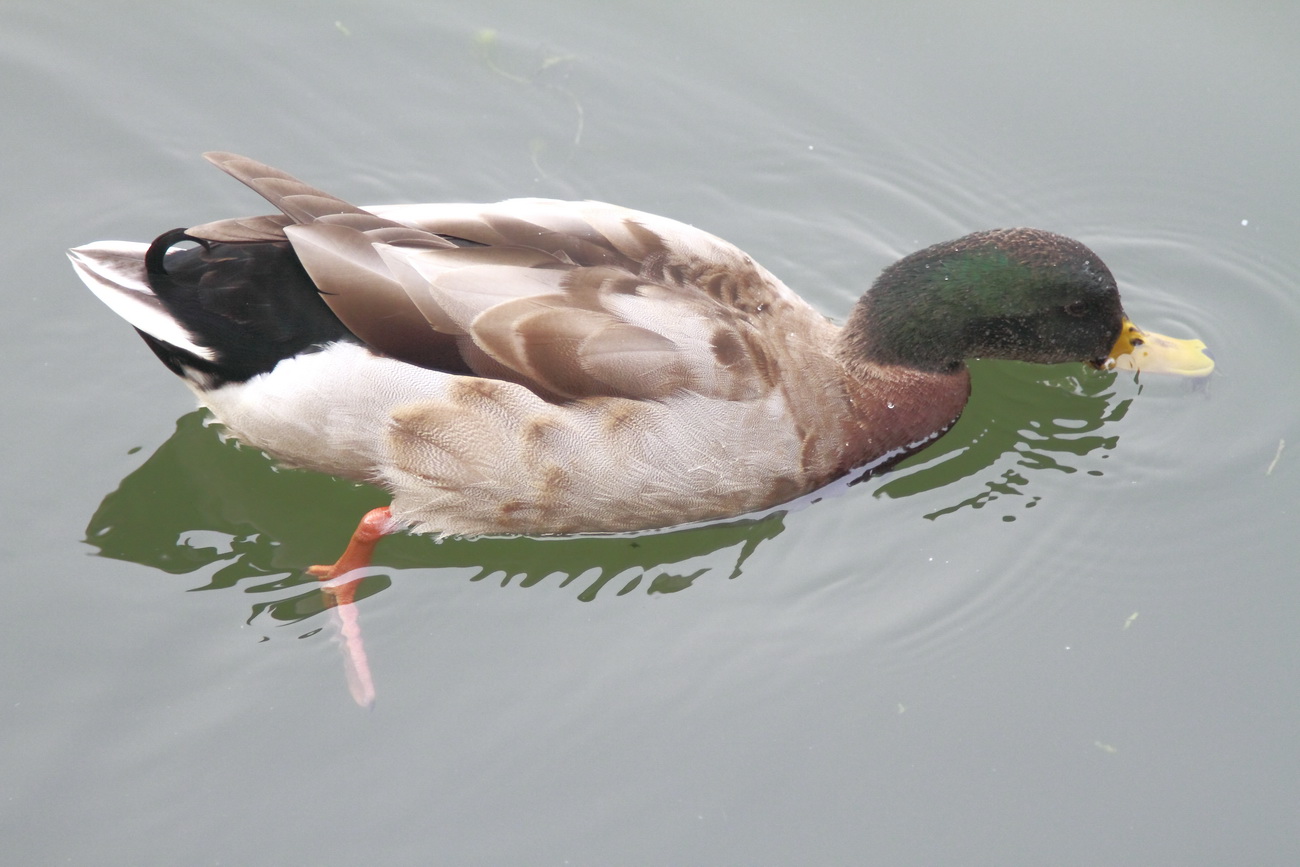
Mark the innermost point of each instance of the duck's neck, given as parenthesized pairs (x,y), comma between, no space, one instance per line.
(898,409)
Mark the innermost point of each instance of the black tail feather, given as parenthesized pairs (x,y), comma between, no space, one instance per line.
(252,304)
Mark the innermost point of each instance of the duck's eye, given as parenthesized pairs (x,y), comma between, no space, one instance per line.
(1077,309)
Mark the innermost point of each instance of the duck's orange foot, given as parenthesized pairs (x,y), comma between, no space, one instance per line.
(376,524)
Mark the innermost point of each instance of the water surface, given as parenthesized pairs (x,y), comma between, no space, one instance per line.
(1064,634)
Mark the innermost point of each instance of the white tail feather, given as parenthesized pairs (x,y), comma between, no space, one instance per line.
(114,271)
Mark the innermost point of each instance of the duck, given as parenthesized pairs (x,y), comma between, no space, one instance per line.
(545,367)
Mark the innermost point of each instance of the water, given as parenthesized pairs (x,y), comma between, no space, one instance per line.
(1064,634)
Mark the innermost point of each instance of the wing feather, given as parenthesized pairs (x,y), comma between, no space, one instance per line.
(359,287)
(572,299)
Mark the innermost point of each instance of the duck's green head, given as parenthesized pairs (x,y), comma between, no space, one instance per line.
(1021,294)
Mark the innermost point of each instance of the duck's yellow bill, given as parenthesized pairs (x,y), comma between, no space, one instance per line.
(1149,352)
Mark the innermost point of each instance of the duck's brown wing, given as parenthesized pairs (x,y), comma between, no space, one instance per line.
(572,299)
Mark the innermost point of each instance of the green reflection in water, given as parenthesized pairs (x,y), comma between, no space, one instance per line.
(1048,418)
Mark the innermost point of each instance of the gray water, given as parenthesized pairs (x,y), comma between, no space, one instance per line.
(1066,634)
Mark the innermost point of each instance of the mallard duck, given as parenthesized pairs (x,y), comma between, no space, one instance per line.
(552,367)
